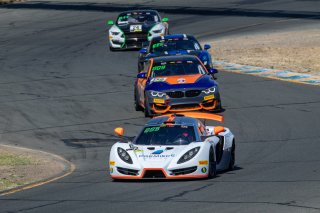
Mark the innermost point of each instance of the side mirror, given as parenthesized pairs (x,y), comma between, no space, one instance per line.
(143,50)
(142,75)
(212,71)
(110,22)
(165,19)
(207,46)
(119,131)
(218,129)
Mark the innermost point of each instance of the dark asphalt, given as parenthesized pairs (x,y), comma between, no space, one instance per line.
(62,91)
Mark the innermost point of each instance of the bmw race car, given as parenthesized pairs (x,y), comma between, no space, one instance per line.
(134,28)
(174,146)
(175,84)
(178,44)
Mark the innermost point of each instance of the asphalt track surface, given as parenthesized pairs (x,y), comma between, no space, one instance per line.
(62,91)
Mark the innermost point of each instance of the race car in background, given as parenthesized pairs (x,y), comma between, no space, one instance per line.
(176,84)
(175,44)
(174,146)
(134,28)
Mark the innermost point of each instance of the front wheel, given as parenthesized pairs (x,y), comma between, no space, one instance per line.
(212,165)
(136,101)
(147,110)
(232,157)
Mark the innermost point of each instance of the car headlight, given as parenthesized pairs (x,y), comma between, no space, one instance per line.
(209,90)
(157,94)
(115,31)
(123,154)
(157,29)
(189,155)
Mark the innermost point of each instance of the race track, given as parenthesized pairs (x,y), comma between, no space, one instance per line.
(62,91)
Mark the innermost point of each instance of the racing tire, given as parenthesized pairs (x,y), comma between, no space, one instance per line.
(137,106)
(140,67)
(232,157)
(147,110)
(212,165)
(111,49)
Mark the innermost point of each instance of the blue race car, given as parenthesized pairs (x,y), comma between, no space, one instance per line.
(176,44)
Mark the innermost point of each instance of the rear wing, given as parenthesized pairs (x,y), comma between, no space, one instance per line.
(198,115)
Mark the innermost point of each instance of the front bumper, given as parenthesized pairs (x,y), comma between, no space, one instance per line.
(167,104)
(158,173)
(129,40)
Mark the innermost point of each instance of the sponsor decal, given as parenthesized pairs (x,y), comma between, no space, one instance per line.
(157,152)
(204,170)
(203,162)
(112,163)
(208,97)
(156,156)
(158,80)
(152,129)
(158,101)
(160,67)
(181,80)
(157,45)
(136,28)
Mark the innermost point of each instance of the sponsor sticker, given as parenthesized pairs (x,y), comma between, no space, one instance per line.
(135,28)
(112,163)
(158,80)
(137,150)
(204,170)
(181,80)
(156,156)
(203,162)
(208,97)
(158,101)
(152,129)
(160,67)
(157,45)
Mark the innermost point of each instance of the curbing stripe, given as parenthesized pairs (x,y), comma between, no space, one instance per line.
(284,75)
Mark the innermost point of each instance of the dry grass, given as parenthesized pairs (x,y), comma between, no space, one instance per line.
(297,51)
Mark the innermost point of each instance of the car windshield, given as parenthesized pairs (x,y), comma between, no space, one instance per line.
(166,135)
(170,68)
(167,45)
(137,17)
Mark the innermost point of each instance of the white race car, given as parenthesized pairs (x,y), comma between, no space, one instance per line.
(174,146)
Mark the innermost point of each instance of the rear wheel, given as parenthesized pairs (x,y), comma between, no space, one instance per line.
(212,165)
(232,157)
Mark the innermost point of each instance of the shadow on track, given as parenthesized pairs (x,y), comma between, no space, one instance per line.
(202,11)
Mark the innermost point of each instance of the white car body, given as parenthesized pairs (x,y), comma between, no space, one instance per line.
(161,161)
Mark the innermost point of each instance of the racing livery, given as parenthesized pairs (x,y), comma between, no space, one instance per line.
(134,28)
(175,44)
(174,146)
(175,84)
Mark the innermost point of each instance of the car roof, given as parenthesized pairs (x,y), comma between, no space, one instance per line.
(137,11)
(178,120)
(171,36)
(175,58)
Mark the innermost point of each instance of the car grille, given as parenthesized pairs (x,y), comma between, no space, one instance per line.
(154,174)
(184,171)
(177,94)
(185,106)
(192,93)
(136,35)
(127,171)
(181,94)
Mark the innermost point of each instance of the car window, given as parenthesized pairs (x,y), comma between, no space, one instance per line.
(166,135)
(137,17)
(160,46)
(170,68)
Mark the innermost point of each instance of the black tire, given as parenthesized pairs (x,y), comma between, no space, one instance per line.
(140,67)
(137,106)
(147,110)
(232,157)
(212,165)
(111,49)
